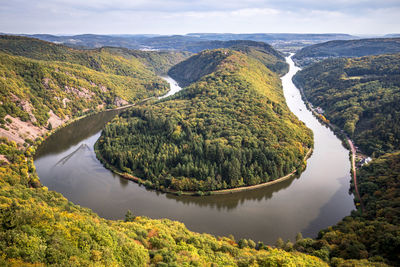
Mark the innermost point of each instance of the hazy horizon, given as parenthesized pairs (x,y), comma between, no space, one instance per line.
(183,34)
(170,17)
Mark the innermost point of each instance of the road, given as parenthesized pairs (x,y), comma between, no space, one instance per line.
(353,163)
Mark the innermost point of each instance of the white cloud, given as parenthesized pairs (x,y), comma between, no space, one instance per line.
(181,16)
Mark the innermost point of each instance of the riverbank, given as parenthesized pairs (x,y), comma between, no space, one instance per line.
(346,142)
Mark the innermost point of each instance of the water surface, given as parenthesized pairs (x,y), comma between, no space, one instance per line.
(319,198)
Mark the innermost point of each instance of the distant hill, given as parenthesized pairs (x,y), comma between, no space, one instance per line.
(346,48)
(361,95)
(283,41)
(263,52)
(392,35)
(265,37)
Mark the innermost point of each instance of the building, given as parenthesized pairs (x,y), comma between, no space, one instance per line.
(365,161)
(319,110)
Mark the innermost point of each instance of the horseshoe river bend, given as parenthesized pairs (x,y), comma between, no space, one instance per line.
(66,163)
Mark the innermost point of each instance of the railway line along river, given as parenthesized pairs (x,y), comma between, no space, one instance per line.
(317,199)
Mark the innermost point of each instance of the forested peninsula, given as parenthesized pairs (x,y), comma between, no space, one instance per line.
(229,127)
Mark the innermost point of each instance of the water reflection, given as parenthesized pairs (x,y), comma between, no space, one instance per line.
(73,134)
(231,201)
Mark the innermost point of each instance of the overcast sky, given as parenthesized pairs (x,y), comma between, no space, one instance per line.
(185,16)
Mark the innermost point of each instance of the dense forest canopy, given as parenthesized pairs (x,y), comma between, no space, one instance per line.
(230,127)
(346,48)
(361,95)
(200,64)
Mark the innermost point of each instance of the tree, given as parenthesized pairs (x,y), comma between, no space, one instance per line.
(299,237)
(279,243)
(129,216)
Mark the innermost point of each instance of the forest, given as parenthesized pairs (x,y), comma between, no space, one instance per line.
(229,128)
(361,96)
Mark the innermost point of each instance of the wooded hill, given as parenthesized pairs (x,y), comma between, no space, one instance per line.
(360,95)
(45,83)
(271,58)
(264,53)
(230,127)
(346,48)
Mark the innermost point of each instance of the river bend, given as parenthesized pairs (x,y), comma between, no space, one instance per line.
(66,163)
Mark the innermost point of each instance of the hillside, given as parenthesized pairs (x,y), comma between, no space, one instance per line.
(122,62)
(263,52)
(158,61)
(361,96)
(230,127)
(41,227)
(43,84)
(346,48)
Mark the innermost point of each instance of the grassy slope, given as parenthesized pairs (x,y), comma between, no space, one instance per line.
(360,95)
(236,107)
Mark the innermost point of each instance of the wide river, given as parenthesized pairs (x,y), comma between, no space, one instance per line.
(317,199)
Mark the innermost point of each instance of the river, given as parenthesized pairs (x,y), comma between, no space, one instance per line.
(317,199)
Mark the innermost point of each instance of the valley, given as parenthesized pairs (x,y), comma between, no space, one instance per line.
(236,121)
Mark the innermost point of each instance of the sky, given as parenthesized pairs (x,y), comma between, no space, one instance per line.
(190,16)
